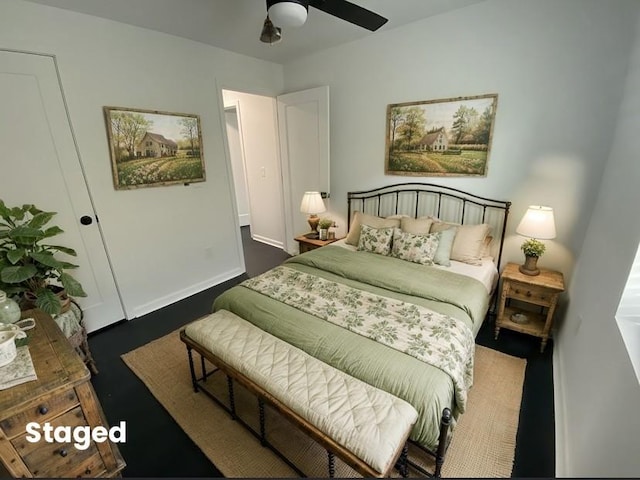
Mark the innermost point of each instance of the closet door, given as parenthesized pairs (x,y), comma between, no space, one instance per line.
(41,165)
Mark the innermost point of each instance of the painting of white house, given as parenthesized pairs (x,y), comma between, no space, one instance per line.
(450,137)
(150,148)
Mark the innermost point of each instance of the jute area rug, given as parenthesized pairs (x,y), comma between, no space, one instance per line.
(483,443)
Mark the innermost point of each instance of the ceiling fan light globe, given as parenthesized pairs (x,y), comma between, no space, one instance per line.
(288,14)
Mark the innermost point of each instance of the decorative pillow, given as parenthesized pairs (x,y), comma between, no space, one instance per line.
(443,252)
(487,247)
(371,221)
(375,240)
(468,243)
(414,248)
(417,226)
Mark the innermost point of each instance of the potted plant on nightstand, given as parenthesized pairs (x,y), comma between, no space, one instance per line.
(29,268)
(533,249)
(324,224)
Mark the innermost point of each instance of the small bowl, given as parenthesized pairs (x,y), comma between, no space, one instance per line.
(519,318)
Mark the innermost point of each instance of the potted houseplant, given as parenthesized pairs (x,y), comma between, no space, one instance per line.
(533,249)
(29,268)
(324,224)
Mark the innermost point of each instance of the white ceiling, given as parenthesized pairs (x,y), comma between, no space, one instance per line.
(236,24)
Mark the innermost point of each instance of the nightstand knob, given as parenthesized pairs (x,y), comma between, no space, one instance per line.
(528,294)
(517,290)
(43,410)
(63,452)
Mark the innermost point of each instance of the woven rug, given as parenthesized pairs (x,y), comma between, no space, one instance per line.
(483,443)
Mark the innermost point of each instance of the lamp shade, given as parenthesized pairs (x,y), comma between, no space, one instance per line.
(287,13)
(270,33)
(538,223)
(312,203)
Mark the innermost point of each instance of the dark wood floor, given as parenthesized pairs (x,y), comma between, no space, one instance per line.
(157,447)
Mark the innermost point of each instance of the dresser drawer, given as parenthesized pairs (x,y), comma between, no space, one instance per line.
(63,459)
(50,407)
(530,293)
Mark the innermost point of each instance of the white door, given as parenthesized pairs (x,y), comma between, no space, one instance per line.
(303,123)
(238,168)
(40,165)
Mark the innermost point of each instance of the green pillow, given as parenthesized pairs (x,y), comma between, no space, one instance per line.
(443,252)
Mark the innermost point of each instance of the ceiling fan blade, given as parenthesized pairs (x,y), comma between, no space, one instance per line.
(351,13)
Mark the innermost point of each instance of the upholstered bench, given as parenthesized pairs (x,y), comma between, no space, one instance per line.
(364,426)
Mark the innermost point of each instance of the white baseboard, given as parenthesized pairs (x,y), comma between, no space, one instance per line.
(184,293)
(268,241)
(559,404)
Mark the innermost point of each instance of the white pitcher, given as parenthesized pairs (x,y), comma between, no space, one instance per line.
(8,335)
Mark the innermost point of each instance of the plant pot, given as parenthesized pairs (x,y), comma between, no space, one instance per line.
(530,266)
(29,299)
(323,233)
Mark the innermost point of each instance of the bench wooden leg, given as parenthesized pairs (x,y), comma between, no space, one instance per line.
(263,434)
(332,464)
(232,398)
(192,369)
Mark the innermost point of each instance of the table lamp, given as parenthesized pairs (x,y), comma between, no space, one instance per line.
(537,224)
(312,204)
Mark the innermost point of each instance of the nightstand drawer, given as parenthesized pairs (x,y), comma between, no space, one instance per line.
(40,412)
(530,293)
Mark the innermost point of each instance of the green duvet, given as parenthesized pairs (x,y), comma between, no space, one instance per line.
(426,387)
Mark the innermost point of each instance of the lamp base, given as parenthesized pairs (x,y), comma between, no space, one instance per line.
(530,266)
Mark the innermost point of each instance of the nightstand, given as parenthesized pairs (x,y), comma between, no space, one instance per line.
(540,290)
(307,244)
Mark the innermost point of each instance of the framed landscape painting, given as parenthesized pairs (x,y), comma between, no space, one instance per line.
(151,148)
(450,137)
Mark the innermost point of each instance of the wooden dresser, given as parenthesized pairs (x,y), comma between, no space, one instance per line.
(62,396)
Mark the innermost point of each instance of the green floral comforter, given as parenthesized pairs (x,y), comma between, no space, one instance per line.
(408,287)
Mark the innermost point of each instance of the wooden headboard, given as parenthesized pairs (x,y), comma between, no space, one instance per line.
(426,199)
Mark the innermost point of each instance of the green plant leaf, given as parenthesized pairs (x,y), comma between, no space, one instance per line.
(25,235)
(5,212)
(46,258)
(72,286)
(67,250)
(18,274)
(66,265)
(4,233)
(15,255)
(52,231)
(40,219)
(47,301)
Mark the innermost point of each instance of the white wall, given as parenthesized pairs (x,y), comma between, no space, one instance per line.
(257,115)
(558,68)
(597,392)
(169,242)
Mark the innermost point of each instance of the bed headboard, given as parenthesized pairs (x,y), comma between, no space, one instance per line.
(426,199)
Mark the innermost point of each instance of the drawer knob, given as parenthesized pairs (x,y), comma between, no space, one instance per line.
(528,294)
(517,290)
(43,410)
(63,452)
(87,471)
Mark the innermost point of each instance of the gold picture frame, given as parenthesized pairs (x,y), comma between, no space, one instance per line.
(434,138)
(150,148)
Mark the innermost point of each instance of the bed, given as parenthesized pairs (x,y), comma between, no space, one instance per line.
(357,307)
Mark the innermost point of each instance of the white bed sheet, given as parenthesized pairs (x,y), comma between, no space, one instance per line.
(487,273)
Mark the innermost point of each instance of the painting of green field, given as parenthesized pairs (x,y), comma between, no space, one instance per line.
(159,170)
(467,162)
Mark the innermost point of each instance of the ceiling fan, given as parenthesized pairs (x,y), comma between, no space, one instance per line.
(293,13)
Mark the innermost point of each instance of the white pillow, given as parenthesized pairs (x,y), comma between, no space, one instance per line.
(417,226)
(468,243)
(372,221)
(415,248)
(375,240)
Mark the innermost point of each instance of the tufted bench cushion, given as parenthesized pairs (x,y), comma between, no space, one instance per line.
(370,423)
